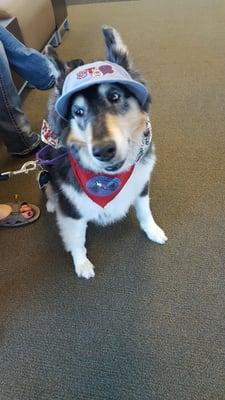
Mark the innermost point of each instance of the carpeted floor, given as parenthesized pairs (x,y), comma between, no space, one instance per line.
(71,2)
(151,325)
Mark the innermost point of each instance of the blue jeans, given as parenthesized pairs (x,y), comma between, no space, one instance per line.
(34,67)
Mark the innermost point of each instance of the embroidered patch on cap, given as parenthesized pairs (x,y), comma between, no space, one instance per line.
(95,72)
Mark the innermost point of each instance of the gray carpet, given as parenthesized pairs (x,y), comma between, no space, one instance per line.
(72,2)
(151,325)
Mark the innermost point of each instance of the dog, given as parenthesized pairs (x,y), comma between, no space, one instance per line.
(105,155)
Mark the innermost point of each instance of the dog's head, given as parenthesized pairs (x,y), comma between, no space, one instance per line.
(102,123)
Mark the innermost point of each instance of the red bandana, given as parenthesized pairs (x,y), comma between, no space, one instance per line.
(101,188)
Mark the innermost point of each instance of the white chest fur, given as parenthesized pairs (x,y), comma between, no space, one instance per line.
(120,205)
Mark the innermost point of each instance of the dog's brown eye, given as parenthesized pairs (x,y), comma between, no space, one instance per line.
(114,97)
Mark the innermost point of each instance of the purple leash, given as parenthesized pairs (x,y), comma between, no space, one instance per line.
(41,156)
(41,159)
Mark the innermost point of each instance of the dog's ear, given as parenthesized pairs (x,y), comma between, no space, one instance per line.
(58,68)
(117,51)
(72,64)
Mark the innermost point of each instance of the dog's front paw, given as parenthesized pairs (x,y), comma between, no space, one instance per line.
(85,269)
(156,234)
(50,206)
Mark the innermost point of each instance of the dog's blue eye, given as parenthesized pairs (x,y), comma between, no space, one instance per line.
(79,112)
(114,97)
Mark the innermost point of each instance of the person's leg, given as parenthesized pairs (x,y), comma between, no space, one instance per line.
(33,66)
(15,129)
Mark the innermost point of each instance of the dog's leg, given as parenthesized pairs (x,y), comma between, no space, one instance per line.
(146,220)
(51,198)
(73,232)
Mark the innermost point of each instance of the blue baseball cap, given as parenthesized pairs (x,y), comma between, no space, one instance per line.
(96,73)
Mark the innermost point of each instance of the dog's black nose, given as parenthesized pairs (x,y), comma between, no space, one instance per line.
(104,151)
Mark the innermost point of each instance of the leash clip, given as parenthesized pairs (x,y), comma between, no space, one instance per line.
(27,167)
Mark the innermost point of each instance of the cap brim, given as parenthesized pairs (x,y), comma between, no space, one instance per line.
(136,88)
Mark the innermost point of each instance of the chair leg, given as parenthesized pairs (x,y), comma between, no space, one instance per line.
(55,41)
(66,24)
(59,36)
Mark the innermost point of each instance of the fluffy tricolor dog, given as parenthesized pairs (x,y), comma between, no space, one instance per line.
(99,114)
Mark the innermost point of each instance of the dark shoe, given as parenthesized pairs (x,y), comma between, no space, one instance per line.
(34,146)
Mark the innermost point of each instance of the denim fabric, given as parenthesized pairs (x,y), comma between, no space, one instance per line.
(15,129)
(33,66)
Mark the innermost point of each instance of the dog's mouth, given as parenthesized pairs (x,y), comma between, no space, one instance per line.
(114,167)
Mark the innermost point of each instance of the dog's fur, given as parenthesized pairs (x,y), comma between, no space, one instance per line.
(105,117)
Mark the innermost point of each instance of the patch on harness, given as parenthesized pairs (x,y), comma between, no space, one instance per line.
(48,136)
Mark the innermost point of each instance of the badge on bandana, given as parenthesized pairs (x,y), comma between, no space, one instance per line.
(102,185)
